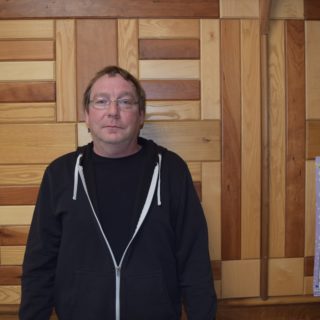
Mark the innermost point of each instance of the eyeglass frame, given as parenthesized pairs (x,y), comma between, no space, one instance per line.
(124,104)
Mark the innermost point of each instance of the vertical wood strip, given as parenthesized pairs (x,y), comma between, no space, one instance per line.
(295,165)
(210,69)
(66,71)
(231,141)
(251,140)
(128,45)
(276,71)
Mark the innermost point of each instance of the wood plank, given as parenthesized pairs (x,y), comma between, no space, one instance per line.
(231,141)
(10,275)
(169,69)
(195,170)
(313,138)
(128,45)
(66,71)
(43,91)
(308,266)
(21,174)
(198,188)
(27,112)
(312,69)
(27,70)
(169,49)
(311,9)
(12,255)
(110,9)
(10,295)
(295,162)
(27,50)
(172,89)
(277,121)
(91,32)
(287,9)
(169,28)
(251,140)
(25,29)
(173,110)
(14,235)
(239,9)
(210,69)
(18,195)
(15,215)
(39,144)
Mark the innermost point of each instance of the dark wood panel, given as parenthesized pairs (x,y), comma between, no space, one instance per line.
(10,276)
(96,48)
(197,186)
(169,49)
(109,8)
(312,9)
(27,50)
(172,89)
(27,91)
(313,138)
(308,266)
(216,269)
(14,236)
(18,195)
(295,163)
(231,141)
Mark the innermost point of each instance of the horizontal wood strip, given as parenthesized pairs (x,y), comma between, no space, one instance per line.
(239,9)
(110,9)
(312,9)
(27,91)
(18,195)
(27,112)
(173,110)
(39,144)
(10,275)
(10,295)
(27,50)
(25,29)
(308,266)
(21,174)
(169,49)
(14,235)
(12,255)
(15,215)
(172,89)
(313,138)
(27,70)
(169,69)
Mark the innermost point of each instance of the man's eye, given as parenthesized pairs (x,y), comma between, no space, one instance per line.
(125,101)
(101,101)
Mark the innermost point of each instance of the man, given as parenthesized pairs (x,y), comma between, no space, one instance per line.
(118,231)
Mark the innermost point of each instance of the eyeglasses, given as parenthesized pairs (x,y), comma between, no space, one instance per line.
(125,104)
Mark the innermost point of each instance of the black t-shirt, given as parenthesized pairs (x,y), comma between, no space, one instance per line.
(118,182)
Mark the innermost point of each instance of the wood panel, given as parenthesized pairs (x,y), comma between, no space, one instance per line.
(169,69)
(10,275)
(285,9)
(195,170)
(231,141)
(11,195)
(308,266)
(295,166)
(12,255)
(15,215)
(276,69)
(169,49)
(96,42)
(110,9)
(10,294)
(66,71)
(21,174)
(210,69)
(313,138)
(250,140)
(27,50)
(13,235)
(39,144)
(312,9)
(32,91)
(172,89)
(237,9)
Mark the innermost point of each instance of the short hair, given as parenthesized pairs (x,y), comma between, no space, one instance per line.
(112,71)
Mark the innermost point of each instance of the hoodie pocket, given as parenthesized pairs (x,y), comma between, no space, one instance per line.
(146,297)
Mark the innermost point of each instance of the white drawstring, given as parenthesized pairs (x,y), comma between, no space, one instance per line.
(75,181)
(159,181)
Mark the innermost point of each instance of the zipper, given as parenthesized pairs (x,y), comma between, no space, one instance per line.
(118,277)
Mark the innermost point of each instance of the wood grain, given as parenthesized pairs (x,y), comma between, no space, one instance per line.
(313,138)
(12,255)
(295,162)
(10,295)
(32,91)
(18,195)
(13,235)
(312,9)
(21,174)
(10,275)
(308,266)
(15,215)
(231,141)
(286,9)
(237,9)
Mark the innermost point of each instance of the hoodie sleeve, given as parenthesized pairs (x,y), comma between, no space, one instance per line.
(195,274)
(40,259)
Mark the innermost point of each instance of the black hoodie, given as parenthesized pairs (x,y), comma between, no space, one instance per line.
(69,264)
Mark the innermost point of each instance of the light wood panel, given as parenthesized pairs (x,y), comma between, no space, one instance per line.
(11,255)
(169,69)
(15,215)
(18,195)
(39,143)
(277,120)
(10,295)
(195,170)
(287,9)
(312,69)
(250,140)
(27,70)
(66,71)
(237,9)
(210,69)
(21,174)
(169,28)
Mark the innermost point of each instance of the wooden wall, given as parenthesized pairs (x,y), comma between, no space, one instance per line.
(201,69)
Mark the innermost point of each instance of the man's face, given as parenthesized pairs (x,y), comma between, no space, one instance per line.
(112,126)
